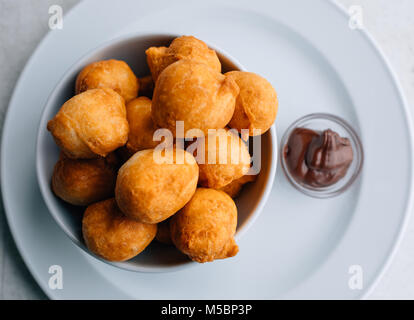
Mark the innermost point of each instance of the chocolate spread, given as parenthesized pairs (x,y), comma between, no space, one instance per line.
(318,159)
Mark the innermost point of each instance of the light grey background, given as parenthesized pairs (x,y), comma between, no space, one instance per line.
(23,23)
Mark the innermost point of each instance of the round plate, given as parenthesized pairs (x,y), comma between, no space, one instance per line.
(299,247)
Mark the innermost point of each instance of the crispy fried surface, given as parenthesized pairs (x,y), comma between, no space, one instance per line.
(84,181)
(204,229)
(226,158)
(91,123)
(151,192)
(114,74)
(185,47)
(141,127)
(111,235)
(233,188)
(256,104)
(194,93)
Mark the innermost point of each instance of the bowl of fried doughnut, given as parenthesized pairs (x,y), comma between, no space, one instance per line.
(156,152)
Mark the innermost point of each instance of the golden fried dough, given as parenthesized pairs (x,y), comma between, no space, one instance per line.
(204,229)
(141,127)
(226,158)
(233,188)
(114,74)
(150,191)
(113,236)
(256,104)
(185,47)
(84,181)
(91,123)
(194,93)
(163,232)
(146,86)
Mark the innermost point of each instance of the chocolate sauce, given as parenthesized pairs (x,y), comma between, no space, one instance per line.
(318,159)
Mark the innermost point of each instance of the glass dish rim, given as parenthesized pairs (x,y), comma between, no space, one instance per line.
(331,191)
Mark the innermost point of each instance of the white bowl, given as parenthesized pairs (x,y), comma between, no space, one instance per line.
(156,257)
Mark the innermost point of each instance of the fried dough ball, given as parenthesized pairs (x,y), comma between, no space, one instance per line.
(204,229)
(226,158)
(256,104)
(113,236)
(151,191)
(114,74)
(84,181)
(233,188)
(194,93)
(146,86)
(141,127)
(185,47)
(163,232)
(91,123)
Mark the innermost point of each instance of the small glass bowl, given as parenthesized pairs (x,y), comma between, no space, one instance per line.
(321,122)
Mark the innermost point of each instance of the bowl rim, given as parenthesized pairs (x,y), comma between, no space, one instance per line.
(45,187)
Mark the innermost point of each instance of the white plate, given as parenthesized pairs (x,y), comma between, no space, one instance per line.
(299,247)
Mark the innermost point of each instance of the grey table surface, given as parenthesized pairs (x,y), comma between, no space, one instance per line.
(23,24)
